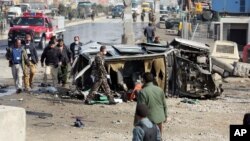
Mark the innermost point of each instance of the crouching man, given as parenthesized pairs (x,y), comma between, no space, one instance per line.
(18,58)
(144,129)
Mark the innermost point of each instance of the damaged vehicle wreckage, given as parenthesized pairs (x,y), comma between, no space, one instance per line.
(181,68)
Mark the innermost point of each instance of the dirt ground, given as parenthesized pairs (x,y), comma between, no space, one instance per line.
(207,120)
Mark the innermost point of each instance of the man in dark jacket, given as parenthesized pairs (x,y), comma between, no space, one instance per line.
(144,129)
(30,70)
(18,58)
(63,69)
(53,59)
(75,47)
(149,32)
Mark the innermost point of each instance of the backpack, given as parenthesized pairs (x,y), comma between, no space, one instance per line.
(16,55)
(150,134)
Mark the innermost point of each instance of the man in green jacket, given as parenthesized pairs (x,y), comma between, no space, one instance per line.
(154,97)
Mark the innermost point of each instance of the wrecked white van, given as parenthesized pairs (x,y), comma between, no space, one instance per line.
(225,51)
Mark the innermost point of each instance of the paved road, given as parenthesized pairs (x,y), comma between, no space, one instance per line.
(102,30)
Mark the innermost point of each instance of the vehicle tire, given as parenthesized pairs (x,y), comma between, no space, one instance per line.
(42,43)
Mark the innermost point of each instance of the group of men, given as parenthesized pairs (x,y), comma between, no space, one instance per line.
(151,109)
(23,60)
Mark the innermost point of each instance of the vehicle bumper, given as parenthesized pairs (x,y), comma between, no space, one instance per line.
(37,40)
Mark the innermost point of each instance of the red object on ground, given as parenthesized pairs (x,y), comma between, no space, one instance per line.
(137,87)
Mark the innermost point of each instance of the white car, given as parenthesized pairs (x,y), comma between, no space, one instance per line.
(14,12)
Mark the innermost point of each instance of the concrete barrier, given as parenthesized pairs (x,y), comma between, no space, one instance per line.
(12,123)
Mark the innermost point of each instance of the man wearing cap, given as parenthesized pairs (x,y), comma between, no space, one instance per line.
(154,97)
(144,129)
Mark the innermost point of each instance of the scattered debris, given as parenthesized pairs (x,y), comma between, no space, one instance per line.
(20,99)
(78,123)
(51,90)
(39,114)
(117,122)
(190,101)
(118,100)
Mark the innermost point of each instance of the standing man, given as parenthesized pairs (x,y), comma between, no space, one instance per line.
(75,47)
(53,59)
(149,32)
(18,58)
(100,77)
(63,69)
(144,129)
(30,70)
(154,97)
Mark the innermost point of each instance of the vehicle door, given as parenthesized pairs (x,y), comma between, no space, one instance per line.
(49,28)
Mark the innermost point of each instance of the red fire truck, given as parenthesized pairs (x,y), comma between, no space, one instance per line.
(39,25)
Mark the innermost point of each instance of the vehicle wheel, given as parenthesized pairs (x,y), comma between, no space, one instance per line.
(42,43)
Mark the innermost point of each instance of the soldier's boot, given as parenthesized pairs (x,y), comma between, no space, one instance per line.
(111,100)
(89,98)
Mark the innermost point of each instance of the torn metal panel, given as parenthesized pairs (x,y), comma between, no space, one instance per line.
(241,69)
(189,45)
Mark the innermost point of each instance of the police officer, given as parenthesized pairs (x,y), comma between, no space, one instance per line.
(100,77)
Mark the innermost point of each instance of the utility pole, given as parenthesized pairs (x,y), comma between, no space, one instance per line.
(128,36)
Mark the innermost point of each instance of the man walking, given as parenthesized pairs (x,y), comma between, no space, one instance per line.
(75,47)
(149,32)
(144,129)
(53,58)
(30,70)
(100,77)
(18,58)
(154,97)
(63,69)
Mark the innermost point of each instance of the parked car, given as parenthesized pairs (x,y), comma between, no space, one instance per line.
(117,11)
(84,9)
(163,15)
(146,7)
(172,23)
(25,7)
(13,13)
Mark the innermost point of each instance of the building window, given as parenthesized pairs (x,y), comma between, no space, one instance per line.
(242,5)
